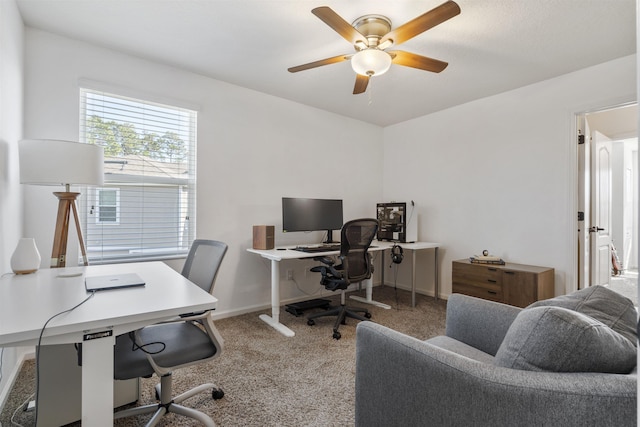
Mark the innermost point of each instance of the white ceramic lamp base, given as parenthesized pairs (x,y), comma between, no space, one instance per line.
(26,258)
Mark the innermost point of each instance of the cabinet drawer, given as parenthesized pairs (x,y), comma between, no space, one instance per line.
(493,293)
(477,275)
(510,283)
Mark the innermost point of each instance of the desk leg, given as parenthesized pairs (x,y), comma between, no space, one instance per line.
(436,286)
(436,278)
(369,292)
(274,319)
(413,278)
(97,382)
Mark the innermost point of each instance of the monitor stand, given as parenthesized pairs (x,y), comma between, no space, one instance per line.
(329,237)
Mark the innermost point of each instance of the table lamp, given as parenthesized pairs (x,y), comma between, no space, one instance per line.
(54,162)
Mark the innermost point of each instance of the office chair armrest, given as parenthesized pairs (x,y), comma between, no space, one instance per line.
(205,322)
(324,259)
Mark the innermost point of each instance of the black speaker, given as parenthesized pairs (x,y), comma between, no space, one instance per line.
(397,254)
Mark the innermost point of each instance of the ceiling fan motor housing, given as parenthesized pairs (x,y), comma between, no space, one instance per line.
(373,27)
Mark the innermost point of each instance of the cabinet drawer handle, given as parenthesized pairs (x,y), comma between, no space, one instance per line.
(493,292)
(510,272)
(492,281)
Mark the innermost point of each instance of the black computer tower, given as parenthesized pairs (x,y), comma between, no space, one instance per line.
(396,224)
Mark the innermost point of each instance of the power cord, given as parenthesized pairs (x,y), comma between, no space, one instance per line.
(135,346)
(40,341)
(22,405)
(395,287)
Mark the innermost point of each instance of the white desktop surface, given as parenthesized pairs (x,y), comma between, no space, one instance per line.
(28,301)
(282,253)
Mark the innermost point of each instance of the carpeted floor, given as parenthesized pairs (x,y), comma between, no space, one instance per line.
(626,284)
(271,380)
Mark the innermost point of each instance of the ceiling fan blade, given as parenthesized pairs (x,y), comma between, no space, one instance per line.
(361,84)
(412,60)
(314,64)
(422,23)
(342,27)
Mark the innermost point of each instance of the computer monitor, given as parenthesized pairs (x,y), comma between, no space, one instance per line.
(311,215)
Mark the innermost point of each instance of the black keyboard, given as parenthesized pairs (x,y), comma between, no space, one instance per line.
(313,249)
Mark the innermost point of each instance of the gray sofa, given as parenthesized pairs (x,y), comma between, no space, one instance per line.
(500,365)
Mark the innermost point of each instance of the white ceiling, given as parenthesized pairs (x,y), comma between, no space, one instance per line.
(492,46)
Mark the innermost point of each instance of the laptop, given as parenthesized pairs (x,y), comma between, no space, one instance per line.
(115,281)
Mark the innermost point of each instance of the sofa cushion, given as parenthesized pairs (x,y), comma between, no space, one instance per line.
(603,304)
(561,340)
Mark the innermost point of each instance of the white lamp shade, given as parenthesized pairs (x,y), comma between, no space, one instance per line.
(371,62)
(54,162)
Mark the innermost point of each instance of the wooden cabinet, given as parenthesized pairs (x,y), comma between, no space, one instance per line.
(515,284)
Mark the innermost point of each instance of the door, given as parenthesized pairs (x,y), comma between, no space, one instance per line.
(600,229)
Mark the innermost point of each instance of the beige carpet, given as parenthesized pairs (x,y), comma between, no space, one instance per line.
(271,380)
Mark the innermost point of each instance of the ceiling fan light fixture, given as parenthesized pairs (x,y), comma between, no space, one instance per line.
(371,62)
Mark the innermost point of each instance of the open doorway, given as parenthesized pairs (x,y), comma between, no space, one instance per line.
(608,199)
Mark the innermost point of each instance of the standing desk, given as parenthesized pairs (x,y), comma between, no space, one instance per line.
(287,253)
(28,301)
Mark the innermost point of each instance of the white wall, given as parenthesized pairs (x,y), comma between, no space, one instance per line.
(11,120)
(499,173)
(252,150)
(496,174)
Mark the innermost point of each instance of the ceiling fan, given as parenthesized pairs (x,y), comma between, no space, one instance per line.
(371,35)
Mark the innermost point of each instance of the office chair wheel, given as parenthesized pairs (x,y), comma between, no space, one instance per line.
(217,393)
(336,335)
(367,315)
(311,322)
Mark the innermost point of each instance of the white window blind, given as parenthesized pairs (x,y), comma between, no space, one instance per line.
(146,208)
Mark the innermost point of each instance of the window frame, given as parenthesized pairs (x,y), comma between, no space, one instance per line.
(184,232)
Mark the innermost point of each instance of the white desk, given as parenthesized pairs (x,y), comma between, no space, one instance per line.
(414,248)
(280,254)
(28,301)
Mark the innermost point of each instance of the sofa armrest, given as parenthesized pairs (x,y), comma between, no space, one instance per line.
(477,322)
(403,381)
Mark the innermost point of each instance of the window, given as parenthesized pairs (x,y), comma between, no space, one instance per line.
(146,208)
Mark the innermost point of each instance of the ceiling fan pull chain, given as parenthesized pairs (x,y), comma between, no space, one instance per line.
(370,93)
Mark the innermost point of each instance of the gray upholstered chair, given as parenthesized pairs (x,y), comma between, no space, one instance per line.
(567,361)
(163,348)
(355,238)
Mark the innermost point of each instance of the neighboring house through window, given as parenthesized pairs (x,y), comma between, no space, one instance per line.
(107,206)
(146,207)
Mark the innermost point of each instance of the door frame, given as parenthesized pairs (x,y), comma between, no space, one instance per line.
(578,123)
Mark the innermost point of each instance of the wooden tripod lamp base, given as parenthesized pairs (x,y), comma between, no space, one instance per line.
(66,205)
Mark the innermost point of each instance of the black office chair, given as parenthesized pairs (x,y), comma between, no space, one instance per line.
(162,348)
(356,237)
